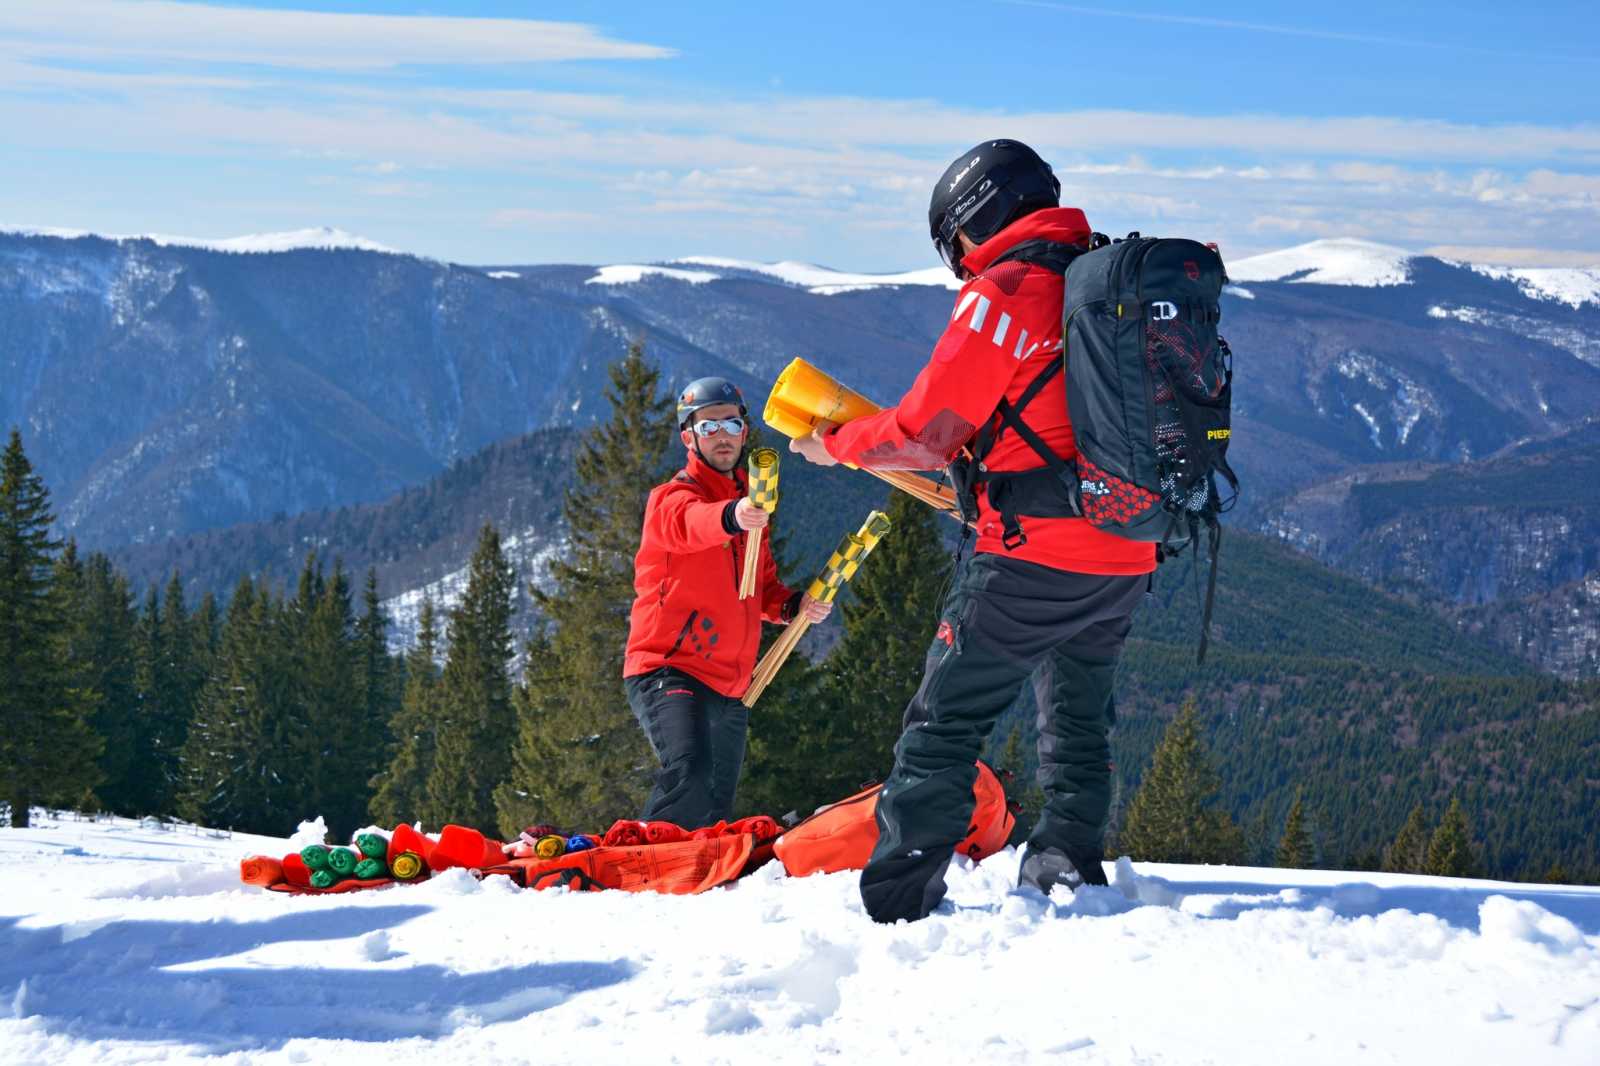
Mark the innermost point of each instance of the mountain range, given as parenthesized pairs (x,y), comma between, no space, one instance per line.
(167,390)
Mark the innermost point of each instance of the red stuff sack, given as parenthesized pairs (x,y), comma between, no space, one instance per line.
(681,868)
(841,836)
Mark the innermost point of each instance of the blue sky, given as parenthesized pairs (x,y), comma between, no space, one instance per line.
(515,132)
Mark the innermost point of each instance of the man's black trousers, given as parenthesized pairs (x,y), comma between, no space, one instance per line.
(1005,623)
(698,736)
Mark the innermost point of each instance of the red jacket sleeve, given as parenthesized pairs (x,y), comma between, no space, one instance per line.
(677,520)
(972,365)
(774,593)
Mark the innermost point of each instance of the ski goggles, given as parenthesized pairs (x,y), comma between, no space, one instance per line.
(731,426)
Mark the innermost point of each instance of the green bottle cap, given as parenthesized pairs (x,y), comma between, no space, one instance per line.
(372,845)
(370,869)
(315,856)
(324,878)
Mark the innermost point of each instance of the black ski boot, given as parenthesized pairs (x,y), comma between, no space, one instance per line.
(1043,869)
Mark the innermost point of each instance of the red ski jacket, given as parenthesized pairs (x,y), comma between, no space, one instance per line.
(686,608)
(1006,328)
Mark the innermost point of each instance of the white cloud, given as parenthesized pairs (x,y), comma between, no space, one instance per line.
(1496,255)
(131,30)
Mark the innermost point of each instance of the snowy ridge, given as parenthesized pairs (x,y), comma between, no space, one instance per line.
(824,281)
(321,238)
(1341,261)
(629,274)
(820,281)
(127,943)
(1573,286)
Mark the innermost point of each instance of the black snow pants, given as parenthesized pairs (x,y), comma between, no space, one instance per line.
(1005,623)
(698,736)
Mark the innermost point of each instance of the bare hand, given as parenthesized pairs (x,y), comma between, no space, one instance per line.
(813,610)
(748,516)
(812,448)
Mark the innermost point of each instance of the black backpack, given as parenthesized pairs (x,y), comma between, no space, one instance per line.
(1149,395)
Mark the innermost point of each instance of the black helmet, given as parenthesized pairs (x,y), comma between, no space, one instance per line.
(986,189)
(707,392)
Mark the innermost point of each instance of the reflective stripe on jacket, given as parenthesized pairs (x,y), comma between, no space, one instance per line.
(1005,329)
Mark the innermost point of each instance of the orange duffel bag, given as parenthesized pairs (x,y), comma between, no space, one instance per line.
(680,868)
(841,836)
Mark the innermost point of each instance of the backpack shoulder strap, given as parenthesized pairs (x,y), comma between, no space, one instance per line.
(1054,256)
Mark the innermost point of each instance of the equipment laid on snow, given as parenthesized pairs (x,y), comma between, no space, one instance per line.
(841,835)
(372,845)
(763,493)
(841,567)
(804,396)
(646,856)
(342,861)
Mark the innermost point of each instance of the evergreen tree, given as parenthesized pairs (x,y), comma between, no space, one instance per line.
(342,751)
(169,674)
(580,758)
(472,753)
(889,617)
(242,755)
(47,750)
(375,682)
(823,730)
(1295,849)
(101,626)
(399,784)
(1450,851)
(1408,854)
(1171,818)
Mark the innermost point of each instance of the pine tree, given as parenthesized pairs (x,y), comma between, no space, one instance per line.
(242,755)
(889,618)
(1450,851)
(399,784)
(580,758)
(169,674)
(47,750)
(1295,849)
(1171,818)
(472,754)
(105,621)
(341,751)
(1408,854)
(375,684)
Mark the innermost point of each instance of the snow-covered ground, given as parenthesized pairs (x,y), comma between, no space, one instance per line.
(123,944)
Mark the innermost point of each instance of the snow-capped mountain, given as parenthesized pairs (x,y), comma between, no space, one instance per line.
(164,389)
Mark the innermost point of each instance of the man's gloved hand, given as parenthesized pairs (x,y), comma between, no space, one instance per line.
(813,610)
(749,516)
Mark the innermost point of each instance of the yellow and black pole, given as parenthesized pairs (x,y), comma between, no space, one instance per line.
(763,493)
(841,567)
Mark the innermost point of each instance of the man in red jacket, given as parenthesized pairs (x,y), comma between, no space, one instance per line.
(691,640)
(1046,600)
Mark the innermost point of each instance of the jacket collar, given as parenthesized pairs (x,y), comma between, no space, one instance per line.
(714,480)
(1065,224)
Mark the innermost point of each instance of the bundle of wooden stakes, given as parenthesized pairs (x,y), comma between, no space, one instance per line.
(841,567)
(763,492)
